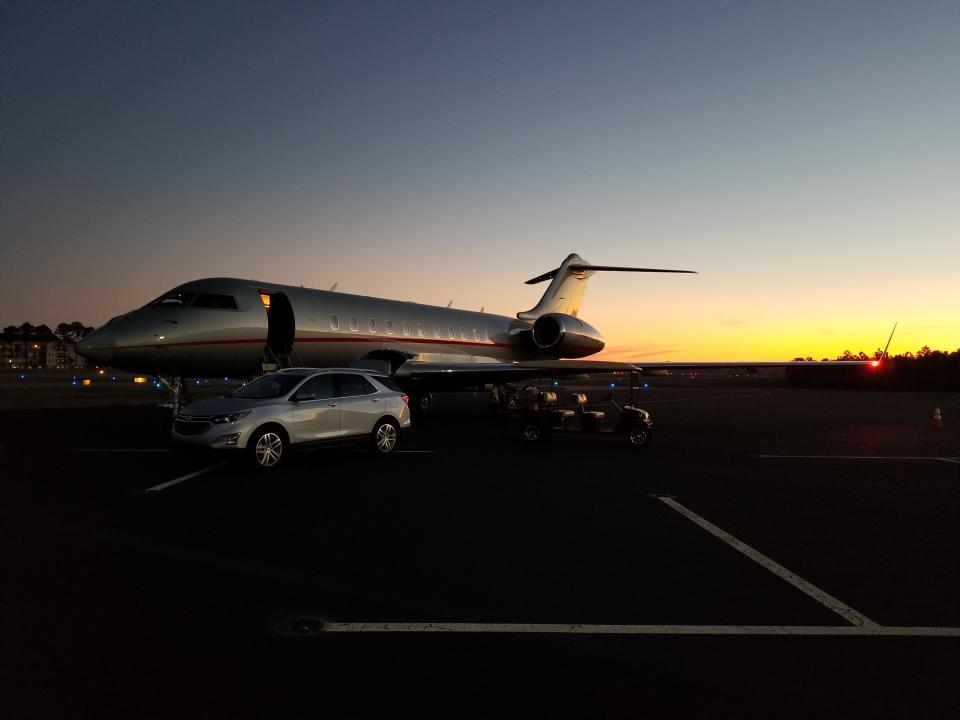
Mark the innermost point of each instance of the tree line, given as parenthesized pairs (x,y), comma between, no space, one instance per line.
(924,370)
(70,332)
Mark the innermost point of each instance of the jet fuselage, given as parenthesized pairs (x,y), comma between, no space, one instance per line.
(229,326)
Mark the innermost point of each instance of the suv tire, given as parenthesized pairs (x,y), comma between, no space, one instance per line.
(385,437)
(268,448)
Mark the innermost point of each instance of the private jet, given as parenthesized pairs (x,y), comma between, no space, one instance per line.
(218,327)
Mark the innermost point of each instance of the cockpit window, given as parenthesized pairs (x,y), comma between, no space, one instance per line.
(269,386)
(221,302)
(173,298)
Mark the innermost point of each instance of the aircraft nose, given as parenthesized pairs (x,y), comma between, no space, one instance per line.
(98,345)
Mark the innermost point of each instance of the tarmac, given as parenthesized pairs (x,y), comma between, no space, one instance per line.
(772,553)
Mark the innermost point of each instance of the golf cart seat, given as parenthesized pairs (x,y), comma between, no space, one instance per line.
(527,398)
(550,406)
(592,419)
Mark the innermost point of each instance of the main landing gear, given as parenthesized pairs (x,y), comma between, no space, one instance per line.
(422,404)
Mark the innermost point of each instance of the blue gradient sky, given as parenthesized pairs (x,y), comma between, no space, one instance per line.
(803,156)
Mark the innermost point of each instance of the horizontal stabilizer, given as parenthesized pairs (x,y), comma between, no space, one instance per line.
(568,283)
(587,266)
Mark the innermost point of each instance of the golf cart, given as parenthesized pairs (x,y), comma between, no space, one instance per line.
(537,413)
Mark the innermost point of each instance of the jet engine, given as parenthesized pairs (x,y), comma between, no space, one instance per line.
(565,336)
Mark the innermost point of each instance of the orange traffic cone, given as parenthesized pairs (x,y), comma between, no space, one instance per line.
(937,421)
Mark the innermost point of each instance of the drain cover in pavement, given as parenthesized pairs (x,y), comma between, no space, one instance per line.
(300,626)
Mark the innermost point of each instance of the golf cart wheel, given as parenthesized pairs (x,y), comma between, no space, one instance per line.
(533,432)
(638,436)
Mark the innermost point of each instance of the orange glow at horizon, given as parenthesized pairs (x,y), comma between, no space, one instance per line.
(776,329)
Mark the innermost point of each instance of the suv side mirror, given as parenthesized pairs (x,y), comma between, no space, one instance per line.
(303,398)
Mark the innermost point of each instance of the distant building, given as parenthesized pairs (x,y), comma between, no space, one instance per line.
(19,351)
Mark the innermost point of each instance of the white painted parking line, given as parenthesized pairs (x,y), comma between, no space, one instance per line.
(821,596)
(919,458)
(122,450)
(579,629)
(183,478)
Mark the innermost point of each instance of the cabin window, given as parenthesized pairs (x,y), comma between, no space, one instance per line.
(486,335)
(406,329)
(334,322)
(420,329)
(389,326)
(354,325)
(436,331)
(476,335)
(372,325)
(451,332)
(463,333)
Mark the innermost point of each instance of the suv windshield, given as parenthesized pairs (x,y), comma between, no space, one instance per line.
(269,386)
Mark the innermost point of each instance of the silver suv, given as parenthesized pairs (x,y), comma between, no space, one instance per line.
(298,407)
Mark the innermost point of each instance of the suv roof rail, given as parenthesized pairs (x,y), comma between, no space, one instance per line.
(366,371)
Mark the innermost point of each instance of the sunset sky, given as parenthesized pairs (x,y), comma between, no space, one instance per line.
(804,157)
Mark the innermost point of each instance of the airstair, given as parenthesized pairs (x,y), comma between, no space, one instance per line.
(274,360)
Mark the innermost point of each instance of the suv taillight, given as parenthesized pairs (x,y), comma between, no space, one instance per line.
(406,399)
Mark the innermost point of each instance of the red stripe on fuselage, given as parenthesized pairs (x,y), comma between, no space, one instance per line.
(425,341)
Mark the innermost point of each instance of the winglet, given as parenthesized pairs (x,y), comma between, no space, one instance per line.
(887,346)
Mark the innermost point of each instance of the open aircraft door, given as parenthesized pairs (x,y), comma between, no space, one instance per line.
(281,328)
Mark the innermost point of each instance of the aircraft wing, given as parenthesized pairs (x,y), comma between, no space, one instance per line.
(658,368)
(459,375)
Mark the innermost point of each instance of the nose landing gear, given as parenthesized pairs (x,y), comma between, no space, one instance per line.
(179,395)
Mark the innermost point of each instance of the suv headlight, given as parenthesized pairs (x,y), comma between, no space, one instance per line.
(231,417)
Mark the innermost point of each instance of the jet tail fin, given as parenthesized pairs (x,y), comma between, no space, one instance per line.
(568,284)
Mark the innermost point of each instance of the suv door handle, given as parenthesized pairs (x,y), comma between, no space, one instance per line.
(332,405)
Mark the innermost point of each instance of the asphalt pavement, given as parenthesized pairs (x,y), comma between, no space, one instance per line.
(772,553)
